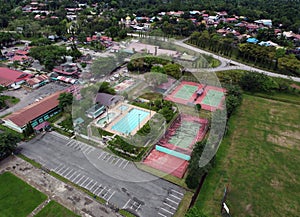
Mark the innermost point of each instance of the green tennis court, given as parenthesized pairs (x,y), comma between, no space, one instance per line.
(213,98)
(185,134)
(186,91)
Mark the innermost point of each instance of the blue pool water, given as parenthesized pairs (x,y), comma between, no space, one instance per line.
(131,121)
(123,107)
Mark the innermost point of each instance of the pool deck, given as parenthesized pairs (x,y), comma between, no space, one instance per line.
(122,114)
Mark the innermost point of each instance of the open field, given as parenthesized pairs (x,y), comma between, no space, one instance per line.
(17,198)
(259,161)
(54,209)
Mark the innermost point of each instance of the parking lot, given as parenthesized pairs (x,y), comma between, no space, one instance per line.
(28,97)
(114,179)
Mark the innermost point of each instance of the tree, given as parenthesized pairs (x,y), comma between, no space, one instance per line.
(65,101)
(106,88)
(195,212)
(8,143)
(173,70)
(198,107)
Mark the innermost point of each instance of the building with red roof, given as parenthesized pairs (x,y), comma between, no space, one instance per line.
(9,77)
(34,114)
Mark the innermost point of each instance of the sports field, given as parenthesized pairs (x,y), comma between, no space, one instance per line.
(259,161)
(54,209)
(213,98)
(17,198)
(186,91)
(185,134)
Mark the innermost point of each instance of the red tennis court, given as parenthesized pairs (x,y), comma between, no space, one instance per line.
(172,152)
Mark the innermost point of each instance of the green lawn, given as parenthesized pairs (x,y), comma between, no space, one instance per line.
(259,160)
(54,209)
(17,198)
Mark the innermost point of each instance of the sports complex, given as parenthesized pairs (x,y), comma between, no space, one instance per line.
(191,93)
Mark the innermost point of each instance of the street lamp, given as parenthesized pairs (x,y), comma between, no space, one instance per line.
(139,122)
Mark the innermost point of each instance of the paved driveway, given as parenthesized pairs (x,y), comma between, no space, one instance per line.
(114,179)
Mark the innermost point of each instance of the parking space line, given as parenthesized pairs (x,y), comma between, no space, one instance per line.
(109,158)
(106,154)
(126,164)
(110,196)
(172,201)
(92,149)
(58,168)
(65,172)
(100,155)
(106,193)
(61,169)
(126,204)
(69,142)
(69,173)
(177,192)
(89,183)
(169,206)
(167,211)
(97,189)
(162,214)
(73,144)
(117,161)
(102,190)
(93,185)
(71,178)
(86,178)
(121,163)
(138,207)
(76,178)
(79,179)
(178,198)
(86,181)
(84,148)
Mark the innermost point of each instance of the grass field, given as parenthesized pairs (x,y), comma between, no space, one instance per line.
(54,209)
(259,160)
(17,198)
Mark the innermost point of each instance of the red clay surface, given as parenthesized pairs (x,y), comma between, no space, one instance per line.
(166,163)
(172,97)
(171,164)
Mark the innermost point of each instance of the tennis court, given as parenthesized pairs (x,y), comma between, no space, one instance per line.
(213,98)
(185,134)
(186,91)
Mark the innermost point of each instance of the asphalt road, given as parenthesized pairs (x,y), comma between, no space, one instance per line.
(116,180)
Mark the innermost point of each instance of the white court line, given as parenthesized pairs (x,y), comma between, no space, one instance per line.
(117,161)
(162,214)
(69,173)
(76,177)
(110,196)
(83,181)
(126,164)
(97,189)
(89,183)
(79,179)
(93,185)
(100,155)
(172,201)
(121,163)
(126,204)
(167,211)
(177,192)
(169,206)
(178,198)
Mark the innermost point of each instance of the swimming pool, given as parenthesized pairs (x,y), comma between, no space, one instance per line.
(123,107)
(108,118)
(131,121)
